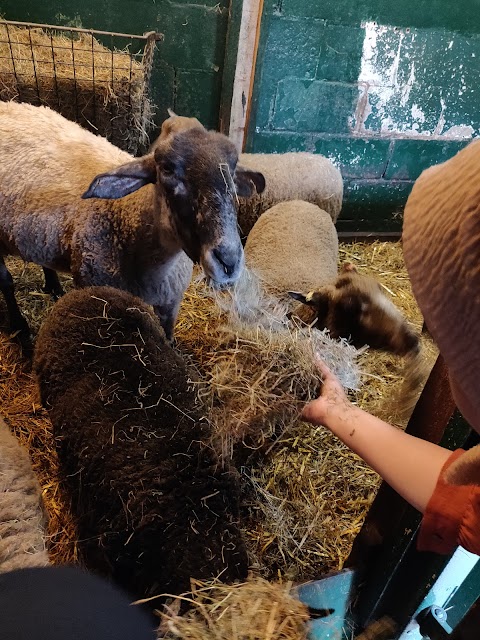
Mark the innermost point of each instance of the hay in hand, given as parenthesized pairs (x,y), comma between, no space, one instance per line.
(104,90)
(261,380)
(254,610)
(262,370)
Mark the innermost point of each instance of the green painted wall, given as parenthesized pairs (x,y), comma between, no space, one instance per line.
(384,89)
(189,62)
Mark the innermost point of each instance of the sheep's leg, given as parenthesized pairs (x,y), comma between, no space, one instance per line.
(168,317)
(52,284)
(17,321)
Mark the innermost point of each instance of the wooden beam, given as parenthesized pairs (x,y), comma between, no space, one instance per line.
(245,70)
(369,236)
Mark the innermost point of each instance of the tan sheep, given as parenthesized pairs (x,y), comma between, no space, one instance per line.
(138,226)
(291,176)
(22,515)
(293,248)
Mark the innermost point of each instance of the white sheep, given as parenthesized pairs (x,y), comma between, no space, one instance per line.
(136,223)
(293,247)
(22,515)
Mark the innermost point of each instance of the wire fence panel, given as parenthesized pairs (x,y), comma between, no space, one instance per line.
(99,79)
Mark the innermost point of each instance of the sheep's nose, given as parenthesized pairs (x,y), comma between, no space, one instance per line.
(228,257)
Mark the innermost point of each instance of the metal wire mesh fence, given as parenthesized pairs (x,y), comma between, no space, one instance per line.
(99,79)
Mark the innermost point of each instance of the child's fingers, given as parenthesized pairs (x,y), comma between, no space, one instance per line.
(322,368)
(308,412)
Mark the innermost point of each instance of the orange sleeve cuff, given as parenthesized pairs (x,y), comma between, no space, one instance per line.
(452,516)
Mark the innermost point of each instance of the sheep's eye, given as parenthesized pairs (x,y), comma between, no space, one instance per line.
(168,169)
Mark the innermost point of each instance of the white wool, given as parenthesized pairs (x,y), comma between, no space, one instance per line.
(22,516)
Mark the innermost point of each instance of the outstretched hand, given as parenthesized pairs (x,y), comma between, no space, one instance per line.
(332,401)
(410,465)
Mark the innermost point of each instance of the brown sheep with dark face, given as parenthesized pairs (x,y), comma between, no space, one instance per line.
(154,506)
(71,201)
(355,307)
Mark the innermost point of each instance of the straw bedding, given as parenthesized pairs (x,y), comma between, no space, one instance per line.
(254,610)
(103,90)
(304,494)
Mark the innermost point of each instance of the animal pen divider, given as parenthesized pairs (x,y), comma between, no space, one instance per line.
(99,79)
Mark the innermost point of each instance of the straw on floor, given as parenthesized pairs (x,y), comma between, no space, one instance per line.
(306,496)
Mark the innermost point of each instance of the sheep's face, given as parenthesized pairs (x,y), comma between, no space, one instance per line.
(355,307)
(200,179)
(196,174)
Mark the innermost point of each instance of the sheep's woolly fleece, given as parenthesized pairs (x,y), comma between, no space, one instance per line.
(291,176)
(293,247)
(22,515)
(154,507)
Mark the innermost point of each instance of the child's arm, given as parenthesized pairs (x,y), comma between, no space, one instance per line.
(410,465)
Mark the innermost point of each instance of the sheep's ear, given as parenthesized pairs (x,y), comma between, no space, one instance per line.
(301,297)
(311,299)
(123,180)
(246,181)
(319,300)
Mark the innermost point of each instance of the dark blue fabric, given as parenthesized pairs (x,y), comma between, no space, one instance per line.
(64,603)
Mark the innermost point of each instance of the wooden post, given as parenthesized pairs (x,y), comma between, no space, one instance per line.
(245,70)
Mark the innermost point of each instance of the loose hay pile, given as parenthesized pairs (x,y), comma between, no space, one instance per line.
(306,495)
(104,90)
(254,610)
(259,368)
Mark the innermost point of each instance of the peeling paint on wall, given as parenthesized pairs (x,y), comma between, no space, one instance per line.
(397,96)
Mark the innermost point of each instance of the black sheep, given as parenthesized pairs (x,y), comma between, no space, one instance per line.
(154,506)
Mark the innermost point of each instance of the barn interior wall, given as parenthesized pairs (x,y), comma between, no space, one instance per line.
(383,89)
